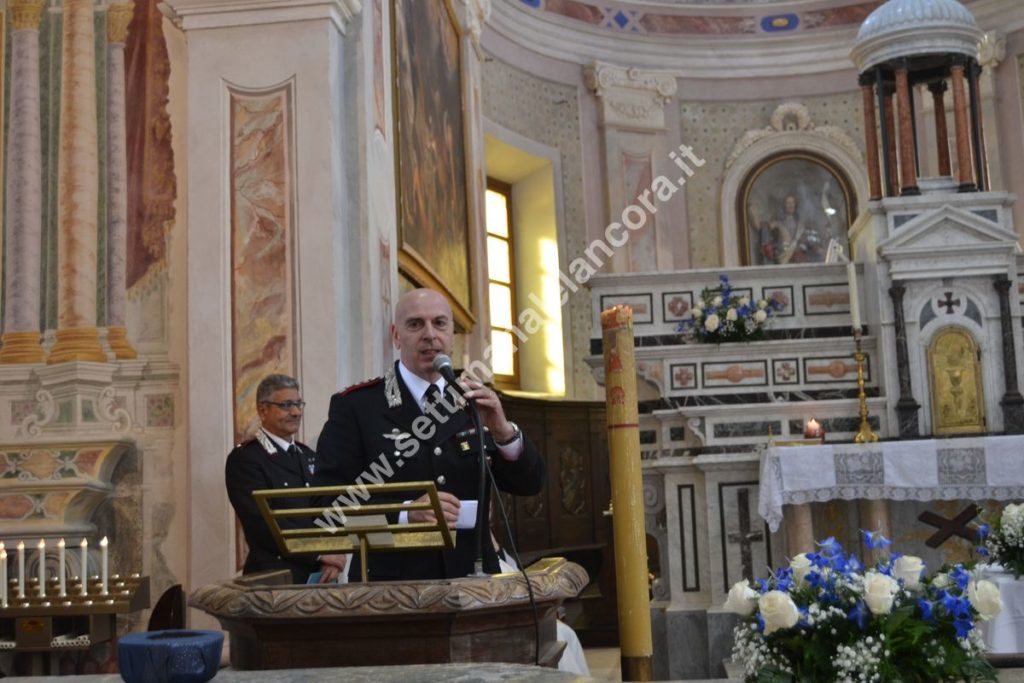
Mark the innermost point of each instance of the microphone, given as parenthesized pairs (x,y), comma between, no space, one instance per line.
(443,366)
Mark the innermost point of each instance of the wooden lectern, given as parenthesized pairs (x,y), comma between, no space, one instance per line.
(277,625)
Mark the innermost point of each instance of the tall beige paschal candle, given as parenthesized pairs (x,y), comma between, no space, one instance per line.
(627,494)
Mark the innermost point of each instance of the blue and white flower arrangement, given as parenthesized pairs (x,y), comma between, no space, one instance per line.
(826,617)
(1002,541)
(721,316)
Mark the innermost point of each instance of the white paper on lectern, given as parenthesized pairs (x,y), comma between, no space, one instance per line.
(467,515)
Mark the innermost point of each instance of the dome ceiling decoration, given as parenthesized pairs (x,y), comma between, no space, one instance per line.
(668,18)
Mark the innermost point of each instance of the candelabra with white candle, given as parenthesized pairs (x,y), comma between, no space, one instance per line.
(21,570)
(3,576)
(103,564)
(42,567)
(85,566)
(61,566)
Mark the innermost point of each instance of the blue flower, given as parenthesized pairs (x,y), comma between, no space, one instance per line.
(960,577)
(830,547)
(984,530)
(927,609)
(982,550)
(963,626)
(859,615)
(875,540)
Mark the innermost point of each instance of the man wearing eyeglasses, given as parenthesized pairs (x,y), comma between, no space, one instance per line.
(273,459)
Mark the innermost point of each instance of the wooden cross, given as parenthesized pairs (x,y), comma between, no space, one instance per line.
(957,526)
(746,537)
(950,303)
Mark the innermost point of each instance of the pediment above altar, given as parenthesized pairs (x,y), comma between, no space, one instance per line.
(948,240)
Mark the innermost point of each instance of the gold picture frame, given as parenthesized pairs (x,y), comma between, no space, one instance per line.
(790,206)
(431,169)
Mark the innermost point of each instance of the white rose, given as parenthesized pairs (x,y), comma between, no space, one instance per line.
(744,300)
(801,567)
(909,568)
(778,610)
(717,301)
(731,314)
(698,313)
(699,305)
(762,304)
(742,599)
(941,580)
(984,596)
(879,591)
(711,323)
(760,316)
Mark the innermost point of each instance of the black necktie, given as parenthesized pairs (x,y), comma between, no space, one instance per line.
(298,461)
(430,397)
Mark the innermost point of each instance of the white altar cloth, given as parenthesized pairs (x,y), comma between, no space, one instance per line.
(1004,633)
(973,468)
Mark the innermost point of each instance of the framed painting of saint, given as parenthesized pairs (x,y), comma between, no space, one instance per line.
(790,207)
(430,148)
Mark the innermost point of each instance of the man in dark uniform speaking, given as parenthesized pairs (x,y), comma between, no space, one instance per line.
(273,459)
(369,435)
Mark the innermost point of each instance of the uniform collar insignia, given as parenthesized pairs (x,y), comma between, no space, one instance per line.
(265,441)
(391,390)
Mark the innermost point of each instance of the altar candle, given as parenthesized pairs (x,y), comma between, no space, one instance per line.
(21,569)
(85,566)
(103,564)
(812,430)
(3,575)
(61,564)
(42,567)
(851,277)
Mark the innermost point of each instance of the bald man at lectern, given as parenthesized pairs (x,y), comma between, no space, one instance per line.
(375,422)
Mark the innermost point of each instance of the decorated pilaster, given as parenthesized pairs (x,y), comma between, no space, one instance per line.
(77,190)
(627,494)
(24,182)
(631,114)
(118,18)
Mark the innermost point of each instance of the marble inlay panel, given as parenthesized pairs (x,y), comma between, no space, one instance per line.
(748,373)
(746,543)
(831,370)
(826,299)
(261,235)
(689,559)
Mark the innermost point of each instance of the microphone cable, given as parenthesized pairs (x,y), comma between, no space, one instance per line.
(519,564)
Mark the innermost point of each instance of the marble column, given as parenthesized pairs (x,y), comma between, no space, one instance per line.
(118,18)
(888,139)
(977,128)
(871,137)
(965,172)
(799,524)
(908,155)
(938,89)
(874,516)
(906,406)
(77,191)
(1012,401)
(24,189)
